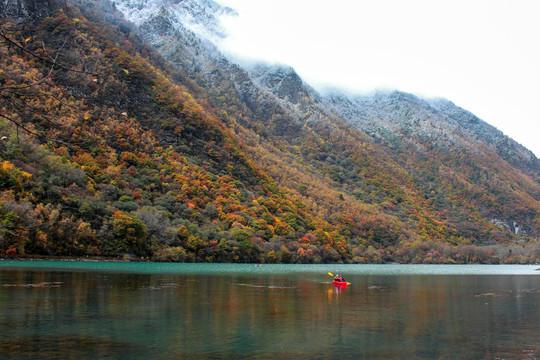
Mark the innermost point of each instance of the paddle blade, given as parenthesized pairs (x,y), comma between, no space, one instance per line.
(330,274)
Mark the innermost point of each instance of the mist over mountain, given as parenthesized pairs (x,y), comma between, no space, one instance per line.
(149,141)
(395,117)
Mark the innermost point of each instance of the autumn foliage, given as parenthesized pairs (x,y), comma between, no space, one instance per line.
(107,150)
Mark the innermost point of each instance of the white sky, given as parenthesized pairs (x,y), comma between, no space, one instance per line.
(482,55)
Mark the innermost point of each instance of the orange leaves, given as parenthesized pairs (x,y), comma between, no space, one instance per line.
(305,240)
(84,159)
(231,218)
(129,158)
(11,251)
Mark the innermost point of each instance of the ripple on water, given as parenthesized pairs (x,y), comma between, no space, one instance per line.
(66,347)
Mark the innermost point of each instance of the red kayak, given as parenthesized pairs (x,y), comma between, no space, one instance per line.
(340,283)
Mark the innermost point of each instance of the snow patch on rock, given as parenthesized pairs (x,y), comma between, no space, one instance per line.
(202,17)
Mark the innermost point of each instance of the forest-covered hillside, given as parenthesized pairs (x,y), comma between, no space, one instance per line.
(117,141)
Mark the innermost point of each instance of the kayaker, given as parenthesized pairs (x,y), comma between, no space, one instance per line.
(338,278)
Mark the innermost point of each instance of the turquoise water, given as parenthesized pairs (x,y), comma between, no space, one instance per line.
(114,310)
(187,268)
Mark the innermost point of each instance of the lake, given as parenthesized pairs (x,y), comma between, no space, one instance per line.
(116,310)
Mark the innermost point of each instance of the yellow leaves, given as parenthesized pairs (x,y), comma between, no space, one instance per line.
(54,215)
(15,174)
(41,238)
(113,171)
(27,39)
(26,175)
(90,187)
(181,179)
(84,230)
(7,166)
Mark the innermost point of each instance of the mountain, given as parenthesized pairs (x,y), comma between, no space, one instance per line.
(142,138)
(105,154)
(435,138)
(404,119)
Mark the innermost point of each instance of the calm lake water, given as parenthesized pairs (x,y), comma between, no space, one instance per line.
(90,310)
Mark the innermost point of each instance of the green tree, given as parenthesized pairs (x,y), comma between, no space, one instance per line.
(130,234)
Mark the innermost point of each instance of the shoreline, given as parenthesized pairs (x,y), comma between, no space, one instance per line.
(75,258)
(131,259)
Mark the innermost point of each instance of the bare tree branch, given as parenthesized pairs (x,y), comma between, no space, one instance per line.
(51,62)
(29,108)
(20,125)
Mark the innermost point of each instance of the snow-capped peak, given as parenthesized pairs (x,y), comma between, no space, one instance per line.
(200,16)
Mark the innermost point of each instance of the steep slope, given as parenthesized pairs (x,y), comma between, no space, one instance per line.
(276,105)
(201,159)
(304,142)
(104,154)
(453,155)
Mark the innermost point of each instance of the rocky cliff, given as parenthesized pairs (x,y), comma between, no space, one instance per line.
(26,10)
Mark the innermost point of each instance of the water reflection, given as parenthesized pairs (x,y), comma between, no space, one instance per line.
(74,315)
